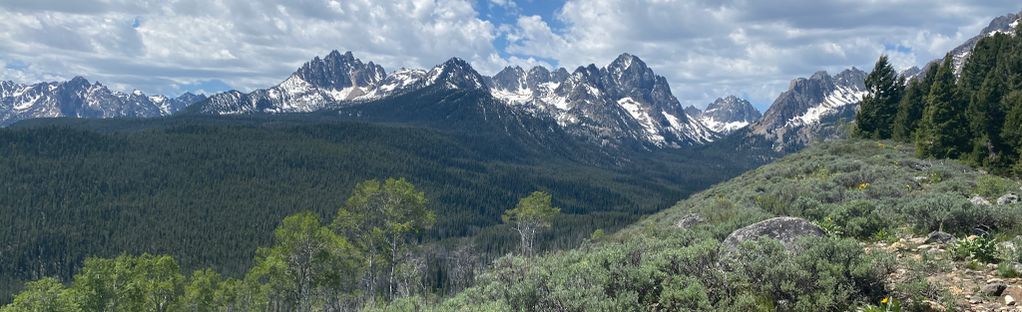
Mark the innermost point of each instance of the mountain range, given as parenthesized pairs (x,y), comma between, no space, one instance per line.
(624,103)
(82,99)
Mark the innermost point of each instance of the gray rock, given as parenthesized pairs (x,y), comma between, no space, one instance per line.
(993,289)
(979,200)
(689,221)
(730,109)
(787,230)
(1007,199)
(693,111)
(82,99)
(783,122)
(938,237)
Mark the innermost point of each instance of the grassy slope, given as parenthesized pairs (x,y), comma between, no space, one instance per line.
(867,189)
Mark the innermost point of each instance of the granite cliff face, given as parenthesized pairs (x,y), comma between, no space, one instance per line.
(810,108)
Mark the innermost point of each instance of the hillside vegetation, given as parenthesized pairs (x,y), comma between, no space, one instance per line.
(868,197)
(859,191)
(973,113)
(208,191)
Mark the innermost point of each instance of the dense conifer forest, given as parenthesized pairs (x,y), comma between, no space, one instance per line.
(208,191)
(975,116)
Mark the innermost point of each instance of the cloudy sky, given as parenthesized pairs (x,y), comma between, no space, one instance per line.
(706,48)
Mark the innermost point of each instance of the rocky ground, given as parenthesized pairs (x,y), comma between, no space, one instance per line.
(965,285)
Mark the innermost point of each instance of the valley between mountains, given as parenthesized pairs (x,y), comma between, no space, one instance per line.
(348,186)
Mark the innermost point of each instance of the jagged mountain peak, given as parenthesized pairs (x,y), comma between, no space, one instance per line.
(79,98)
(728,114)
(693,111)
(457,63)
(1003,24)
(560,74)
(78,80)
(456,73)
(728,102)
(797,115)
(851,77)
(338,71)
(911,72)
(539,71)
(336,55)
(625,62)
(511,78)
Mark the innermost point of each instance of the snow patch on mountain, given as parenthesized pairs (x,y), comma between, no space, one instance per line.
(726,115)
(637,112)
(841,96)
(620,103)
(82,99)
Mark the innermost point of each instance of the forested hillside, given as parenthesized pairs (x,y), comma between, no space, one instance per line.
(973,114)
(209,190)
(866,201)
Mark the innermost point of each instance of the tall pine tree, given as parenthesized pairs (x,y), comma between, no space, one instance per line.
(944,131)
(1012,130)
(986,119)
(980,84)
(879,107)
(913,100)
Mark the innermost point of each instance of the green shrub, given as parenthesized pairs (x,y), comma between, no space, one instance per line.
(980,248)
(682,293)
(992,187)
(946,212)
(858,218)
(1007,270)
(828,275)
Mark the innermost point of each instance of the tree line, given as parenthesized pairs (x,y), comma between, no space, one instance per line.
(209,192)
(368,255)
(973,113)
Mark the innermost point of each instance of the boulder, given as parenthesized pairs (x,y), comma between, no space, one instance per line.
(1007,199)
(787,230)
(938,237)
(993,289)
(1012,295)
(689,221)
(979,200)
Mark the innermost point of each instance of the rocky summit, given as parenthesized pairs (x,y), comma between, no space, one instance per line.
(727,114)
(80,98)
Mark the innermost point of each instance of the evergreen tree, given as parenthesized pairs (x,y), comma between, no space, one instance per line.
(944,131)
(1012,130)
(986,119)
(982,87)
(979,64)
(879,107)
(913,101)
